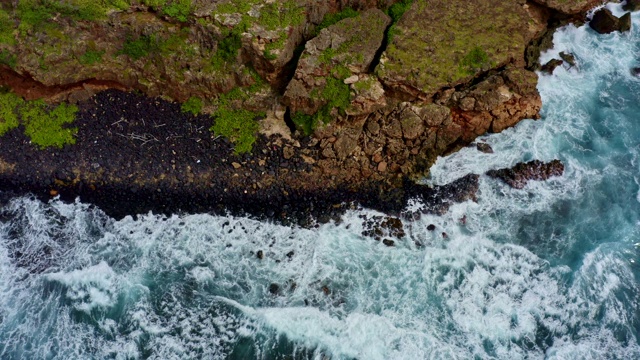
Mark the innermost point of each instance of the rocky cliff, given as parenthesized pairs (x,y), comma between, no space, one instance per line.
(310,97)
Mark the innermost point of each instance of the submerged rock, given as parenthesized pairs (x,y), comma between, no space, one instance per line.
(485,148)
(518,176)
(550,66)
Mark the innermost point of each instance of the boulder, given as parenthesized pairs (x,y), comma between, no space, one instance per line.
(484,147)
(550,66)
(568,58)
(604,22)
(340,52)
(631,5)
(519,175)
(459,38)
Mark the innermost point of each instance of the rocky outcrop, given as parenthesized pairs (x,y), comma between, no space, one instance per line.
(340,56)
(570,7)
(604,22)
(358,107)
(518,176)
(459,40)
(631,5)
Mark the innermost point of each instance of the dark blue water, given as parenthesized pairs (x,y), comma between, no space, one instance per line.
(550,271)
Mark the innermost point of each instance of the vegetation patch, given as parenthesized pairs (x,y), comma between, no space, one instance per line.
(139,47)
(37,13)
(271,16)
(475,60)
(43,124)
(176,9)
(331,19)
(395,12)
(91,57)
(9,103)
(6,29)
(193,105)
(7,58)
(238,125)
(337,96)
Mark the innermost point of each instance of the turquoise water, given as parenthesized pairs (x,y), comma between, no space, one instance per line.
(550,271)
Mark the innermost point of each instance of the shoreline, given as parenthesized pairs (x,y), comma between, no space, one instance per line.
(136,153)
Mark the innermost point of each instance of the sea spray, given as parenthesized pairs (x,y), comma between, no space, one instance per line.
(549,271)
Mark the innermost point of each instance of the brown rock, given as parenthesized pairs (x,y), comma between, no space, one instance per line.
(518,176)
(288,152)
(382,166)
(236,165)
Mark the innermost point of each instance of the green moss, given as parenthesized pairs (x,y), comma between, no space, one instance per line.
(178,9)
(475,60)
(398,9)
(37,13)
(395,12)
(6,29)
(331,19)
(227,51)
(337,96)
(7,58)
(238,125)
(91,57)
(139,47)
(44,126)
(9,103)
(304,122)
(192,105)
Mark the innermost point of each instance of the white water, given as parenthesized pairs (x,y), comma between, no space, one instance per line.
(549,271)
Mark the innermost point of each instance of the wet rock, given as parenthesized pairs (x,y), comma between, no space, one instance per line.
(631,5)
(379,227)
(274,289)
(604,22)
(437,200)
(518,176)
(550,66)
(260,254)
(625,23)
(388,242)
(568,58)
(431,227)
(635,71)
(484,147)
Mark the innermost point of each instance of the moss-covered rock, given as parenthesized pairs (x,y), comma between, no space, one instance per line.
(570,7)
(334,60)
(458,39)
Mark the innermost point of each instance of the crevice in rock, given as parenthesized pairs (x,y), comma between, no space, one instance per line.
(289,69)
(30,89)
(289,121)
(381,50)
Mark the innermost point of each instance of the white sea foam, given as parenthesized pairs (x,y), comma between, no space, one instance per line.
(543,272)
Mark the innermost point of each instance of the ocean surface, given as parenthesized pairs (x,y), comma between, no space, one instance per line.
(551,271)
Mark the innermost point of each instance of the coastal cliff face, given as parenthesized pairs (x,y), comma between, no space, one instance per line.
(309,96)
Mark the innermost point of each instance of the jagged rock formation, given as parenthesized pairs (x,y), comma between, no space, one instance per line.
(604,22)
(381,97)
(518,176)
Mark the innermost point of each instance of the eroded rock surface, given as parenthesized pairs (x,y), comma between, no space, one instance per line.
(340,53)
(458,39)
(518,176)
